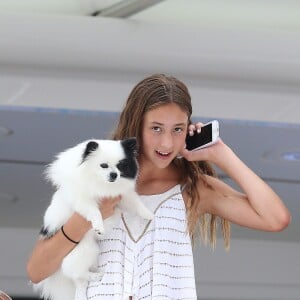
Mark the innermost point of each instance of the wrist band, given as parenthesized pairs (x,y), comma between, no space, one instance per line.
(62,230)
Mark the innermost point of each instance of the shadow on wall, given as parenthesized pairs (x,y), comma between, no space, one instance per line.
(4,296)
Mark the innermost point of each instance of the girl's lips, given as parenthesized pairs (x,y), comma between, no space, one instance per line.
(163,154)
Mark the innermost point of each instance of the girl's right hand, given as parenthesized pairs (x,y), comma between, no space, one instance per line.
(107,206)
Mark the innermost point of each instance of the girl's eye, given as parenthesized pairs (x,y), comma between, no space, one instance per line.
(104,166)
(156,129)
(178,129)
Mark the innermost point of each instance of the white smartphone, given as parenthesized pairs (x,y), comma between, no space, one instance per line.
(208,136)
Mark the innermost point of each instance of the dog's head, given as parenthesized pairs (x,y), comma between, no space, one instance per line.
(94,163)
(111,160)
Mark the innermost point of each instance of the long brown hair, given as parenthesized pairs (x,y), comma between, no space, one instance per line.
(148,94)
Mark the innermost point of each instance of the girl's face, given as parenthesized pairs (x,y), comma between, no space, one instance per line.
(163,134)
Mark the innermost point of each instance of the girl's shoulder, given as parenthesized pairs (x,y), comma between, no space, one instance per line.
(207,189)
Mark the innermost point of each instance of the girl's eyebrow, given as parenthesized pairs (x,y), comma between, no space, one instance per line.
(157,123)
(161,124)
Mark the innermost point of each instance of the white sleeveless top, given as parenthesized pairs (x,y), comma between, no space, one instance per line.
(148,259)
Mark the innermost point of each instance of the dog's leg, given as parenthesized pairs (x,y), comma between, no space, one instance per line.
(92,214)
(113,220)
(80,264)
(81,283)
(81,289)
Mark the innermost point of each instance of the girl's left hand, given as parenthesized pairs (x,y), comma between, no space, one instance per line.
(209,153)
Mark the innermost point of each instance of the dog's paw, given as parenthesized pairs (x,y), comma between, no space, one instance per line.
(98,227)
(99,231)
(97,276)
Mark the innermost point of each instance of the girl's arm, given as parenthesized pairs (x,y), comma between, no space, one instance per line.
(47,254)
(258,206)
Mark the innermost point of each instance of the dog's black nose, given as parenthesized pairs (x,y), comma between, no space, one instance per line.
(113,176)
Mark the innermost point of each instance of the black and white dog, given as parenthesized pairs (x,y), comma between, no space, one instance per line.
(82,176)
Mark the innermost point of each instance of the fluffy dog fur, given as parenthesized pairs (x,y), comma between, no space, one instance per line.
(82,176)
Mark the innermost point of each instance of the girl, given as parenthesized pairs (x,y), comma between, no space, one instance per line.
(154,259)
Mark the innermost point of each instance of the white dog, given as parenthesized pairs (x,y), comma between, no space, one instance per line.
(83,175)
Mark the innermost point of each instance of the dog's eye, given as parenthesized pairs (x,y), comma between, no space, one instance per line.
(104,166)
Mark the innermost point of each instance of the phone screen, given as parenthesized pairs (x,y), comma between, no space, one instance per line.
(199,139)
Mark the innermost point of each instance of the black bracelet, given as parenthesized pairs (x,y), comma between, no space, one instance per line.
(62,230)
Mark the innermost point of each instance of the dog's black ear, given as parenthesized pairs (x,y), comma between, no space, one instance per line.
(130,145)
(90,147)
